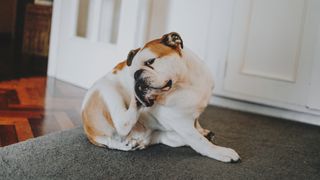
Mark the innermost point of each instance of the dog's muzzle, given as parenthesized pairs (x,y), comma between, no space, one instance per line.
(144,91)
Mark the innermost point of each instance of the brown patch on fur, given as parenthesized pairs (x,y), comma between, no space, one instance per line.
(160,99)
(196,124)
(119,67)
(90,132)
(139,127)
(160,49)
(94,142)
(107,115)
(91,116)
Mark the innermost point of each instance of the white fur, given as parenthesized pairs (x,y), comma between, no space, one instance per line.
(171,122)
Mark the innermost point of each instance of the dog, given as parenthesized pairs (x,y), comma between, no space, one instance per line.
(155,96)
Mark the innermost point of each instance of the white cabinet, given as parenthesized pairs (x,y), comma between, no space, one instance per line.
(272,50)
(260,51)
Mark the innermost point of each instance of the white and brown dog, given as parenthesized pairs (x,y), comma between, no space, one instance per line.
(155,96)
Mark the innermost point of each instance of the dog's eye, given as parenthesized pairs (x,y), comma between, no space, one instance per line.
(149,62)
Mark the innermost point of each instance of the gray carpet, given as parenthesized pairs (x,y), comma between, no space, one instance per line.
(270,149)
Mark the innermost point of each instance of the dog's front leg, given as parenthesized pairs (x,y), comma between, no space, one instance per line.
(123,117)
(184,126)
(127,120)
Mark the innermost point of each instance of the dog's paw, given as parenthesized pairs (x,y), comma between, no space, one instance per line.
(209,135)
(227,155)
(134,144)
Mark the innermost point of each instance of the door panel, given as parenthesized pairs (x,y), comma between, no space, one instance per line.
(92,37)
(273,38)
(271,50)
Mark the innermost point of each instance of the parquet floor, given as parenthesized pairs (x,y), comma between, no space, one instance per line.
(32,107)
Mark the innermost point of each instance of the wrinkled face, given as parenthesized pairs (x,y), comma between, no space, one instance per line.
(156,68)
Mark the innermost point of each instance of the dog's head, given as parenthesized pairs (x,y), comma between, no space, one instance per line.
(157,67)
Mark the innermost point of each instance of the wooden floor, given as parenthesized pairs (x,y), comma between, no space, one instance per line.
(32,107)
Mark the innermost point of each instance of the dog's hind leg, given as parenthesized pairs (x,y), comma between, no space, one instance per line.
(169,138)
(205,132)
(183,125)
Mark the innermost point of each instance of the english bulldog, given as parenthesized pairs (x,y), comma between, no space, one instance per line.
(155,96)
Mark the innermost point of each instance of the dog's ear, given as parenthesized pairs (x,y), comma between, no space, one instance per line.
(172,39)
(131,55)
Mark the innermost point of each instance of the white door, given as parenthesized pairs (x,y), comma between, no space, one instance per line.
(271,52)
(89,37)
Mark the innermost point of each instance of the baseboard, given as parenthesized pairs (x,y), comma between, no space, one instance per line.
(265,110)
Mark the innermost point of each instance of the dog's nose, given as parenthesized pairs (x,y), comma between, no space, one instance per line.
(137,74)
